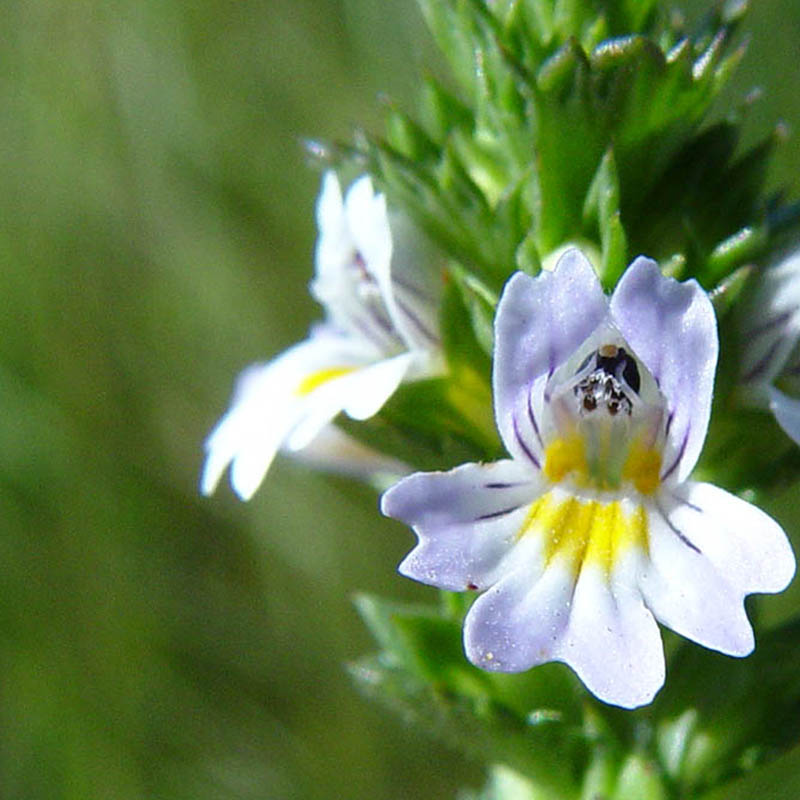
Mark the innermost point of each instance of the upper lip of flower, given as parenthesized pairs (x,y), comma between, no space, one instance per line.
(579,554)
(543,324)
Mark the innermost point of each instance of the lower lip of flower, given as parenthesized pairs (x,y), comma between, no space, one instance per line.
(581,532)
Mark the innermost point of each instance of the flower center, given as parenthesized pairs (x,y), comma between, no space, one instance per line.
(605,432)
(604,387)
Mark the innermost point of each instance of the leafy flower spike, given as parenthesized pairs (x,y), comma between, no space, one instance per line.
(591,531)
(380,329)
(771,336)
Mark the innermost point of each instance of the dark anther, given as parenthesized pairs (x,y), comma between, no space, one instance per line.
(620,365)
(614,374)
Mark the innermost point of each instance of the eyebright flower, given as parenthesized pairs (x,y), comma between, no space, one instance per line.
(771,342)
(591,531)
(380,329)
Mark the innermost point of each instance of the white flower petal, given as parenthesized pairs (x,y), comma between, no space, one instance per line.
(334,244)
(517,623)
(686,593)
(708,550)
(330,208)
(360,393)
(246,434)
(269,402)
(368,223)
(600,629)
(787,411)
(540,322)
(466,520)
(612,641)
(671,327)
(770,321)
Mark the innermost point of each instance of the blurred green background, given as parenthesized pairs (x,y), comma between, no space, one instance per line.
(157,236)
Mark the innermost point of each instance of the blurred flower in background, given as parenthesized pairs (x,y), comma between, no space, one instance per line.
(381,329)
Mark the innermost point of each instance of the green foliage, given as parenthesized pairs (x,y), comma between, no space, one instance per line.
(719,716)
(575,124)
(421,673)
(570,122)
(579,122)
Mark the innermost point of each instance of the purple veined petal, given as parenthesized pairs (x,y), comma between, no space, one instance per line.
(467,521)
(770,321)
(671,327)
(407,293)
(787,411)
(745,544)
(368,223)
(708,550)
(353,256)
(612,641)
(412,293)
(269,402)
(540,322)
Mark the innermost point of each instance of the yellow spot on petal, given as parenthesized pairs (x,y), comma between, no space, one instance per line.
(582,532)
(602,465)
(318,378)
(564,457)
(643,468)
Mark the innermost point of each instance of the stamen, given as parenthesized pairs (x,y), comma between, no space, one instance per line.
(615,373)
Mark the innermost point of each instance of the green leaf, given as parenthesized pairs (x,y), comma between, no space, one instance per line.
(718,715)
(777,781)
(453,31)
(527,257)
(441,112)
(482,731)
(639,779)
(409,138)
(601,215)
(469,320)
(745,244)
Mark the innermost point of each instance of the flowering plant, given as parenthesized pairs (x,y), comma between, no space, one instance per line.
(488,272)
